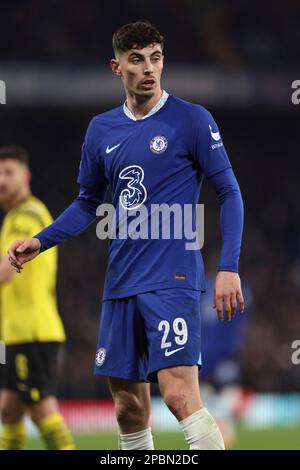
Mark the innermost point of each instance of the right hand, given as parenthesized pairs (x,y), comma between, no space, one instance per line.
(22,251)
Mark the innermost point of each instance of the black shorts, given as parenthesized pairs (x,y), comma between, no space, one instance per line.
(31,370)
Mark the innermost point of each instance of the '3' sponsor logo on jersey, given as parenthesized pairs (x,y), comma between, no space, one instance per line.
(135,194)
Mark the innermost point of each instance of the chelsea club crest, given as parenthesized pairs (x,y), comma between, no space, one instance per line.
(158,144)
(100,357)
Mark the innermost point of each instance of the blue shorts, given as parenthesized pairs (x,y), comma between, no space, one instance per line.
(142,334)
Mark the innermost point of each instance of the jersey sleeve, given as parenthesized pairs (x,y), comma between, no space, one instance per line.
(74,220)
(231,218)
(207,145)
(91,171)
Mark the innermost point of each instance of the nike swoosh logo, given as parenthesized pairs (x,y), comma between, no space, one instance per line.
(169,353)
(108,150)
(215,135)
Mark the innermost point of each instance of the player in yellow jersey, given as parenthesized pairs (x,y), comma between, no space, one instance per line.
(31,327)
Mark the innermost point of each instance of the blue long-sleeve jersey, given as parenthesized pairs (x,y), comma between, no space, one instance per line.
(161,159)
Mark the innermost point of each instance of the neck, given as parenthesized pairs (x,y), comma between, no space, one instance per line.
(16,199)
(140,106)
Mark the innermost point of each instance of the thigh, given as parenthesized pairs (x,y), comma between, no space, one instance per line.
(122,344)
(173,328)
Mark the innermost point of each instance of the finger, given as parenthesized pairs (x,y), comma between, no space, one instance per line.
(214,299)
(227,307)
(11,256)
(219,306)
(22,247)
(17,267)
(11,250)
(233,305)
(241,301)
(14,262)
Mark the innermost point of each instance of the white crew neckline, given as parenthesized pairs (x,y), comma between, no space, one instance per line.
(154,110)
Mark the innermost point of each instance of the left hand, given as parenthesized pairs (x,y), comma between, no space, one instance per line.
(227,291)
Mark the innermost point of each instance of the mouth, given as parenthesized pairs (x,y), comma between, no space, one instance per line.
(148,84)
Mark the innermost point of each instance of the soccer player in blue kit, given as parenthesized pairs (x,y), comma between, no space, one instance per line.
(154,149)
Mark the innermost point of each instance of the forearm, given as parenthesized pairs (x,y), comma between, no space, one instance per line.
(74,220)
(231,218)
(6,270)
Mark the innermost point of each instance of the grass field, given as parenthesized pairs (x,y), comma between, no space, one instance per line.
(274,438)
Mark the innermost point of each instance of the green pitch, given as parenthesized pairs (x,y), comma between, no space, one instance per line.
(273,438)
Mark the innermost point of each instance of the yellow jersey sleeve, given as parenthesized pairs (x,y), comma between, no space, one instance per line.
(24,224)
(28,302)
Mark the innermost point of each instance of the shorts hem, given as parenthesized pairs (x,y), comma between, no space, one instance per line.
(152,375)
(115,375)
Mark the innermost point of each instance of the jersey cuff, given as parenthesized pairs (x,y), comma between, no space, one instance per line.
(40,240)
(231,269)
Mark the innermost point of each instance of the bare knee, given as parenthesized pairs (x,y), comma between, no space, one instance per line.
(12,409)
(179,387)
(177,402)
(10,416)
(42,409)
(131,411)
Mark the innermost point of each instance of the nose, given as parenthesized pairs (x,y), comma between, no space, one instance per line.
(148,67)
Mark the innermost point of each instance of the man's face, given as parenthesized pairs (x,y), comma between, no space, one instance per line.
(140,70)
(14,176)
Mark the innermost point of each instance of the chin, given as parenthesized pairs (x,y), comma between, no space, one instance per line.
(148,93)
(4,199)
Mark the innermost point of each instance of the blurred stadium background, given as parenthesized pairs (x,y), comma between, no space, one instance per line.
(239,59)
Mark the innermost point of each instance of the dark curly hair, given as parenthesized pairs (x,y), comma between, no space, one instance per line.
(136,35)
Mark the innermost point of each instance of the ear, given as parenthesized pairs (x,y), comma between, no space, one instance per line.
(115,67)
(28,176)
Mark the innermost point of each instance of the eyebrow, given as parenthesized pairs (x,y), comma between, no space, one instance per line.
(142,55)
